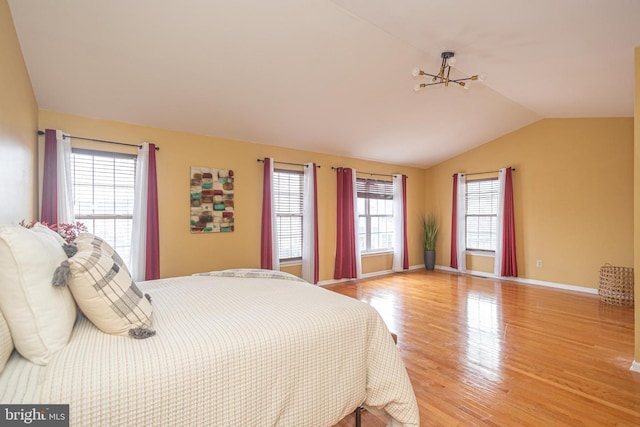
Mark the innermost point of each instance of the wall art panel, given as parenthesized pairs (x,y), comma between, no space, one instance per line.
(211,200)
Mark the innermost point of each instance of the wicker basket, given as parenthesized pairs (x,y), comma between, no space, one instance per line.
(616,285)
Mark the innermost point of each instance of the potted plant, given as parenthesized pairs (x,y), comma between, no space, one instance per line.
(429,238)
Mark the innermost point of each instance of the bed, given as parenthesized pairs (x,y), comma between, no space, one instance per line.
(231,348)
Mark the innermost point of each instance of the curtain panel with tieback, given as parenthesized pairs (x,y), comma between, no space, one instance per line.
(347,264)
(269,258)
(310,257)
(145,236)
(400,246)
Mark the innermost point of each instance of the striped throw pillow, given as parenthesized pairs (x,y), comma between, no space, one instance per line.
(88,241)
(106,294)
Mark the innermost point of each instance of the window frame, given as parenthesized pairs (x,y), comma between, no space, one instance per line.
(364,192)
(300,214)
(494,195)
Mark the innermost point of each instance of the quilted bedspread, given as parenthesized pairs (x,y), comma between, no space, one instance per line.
(232,352)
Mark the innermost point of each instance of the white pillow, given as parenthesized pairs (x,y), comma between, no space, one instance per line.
(40,316)
(106,294)
(6,343)
(40,228)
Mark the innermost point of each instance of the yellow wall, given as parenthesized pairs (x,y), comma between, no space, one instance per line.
(573,196)
(18,126)
(184,253)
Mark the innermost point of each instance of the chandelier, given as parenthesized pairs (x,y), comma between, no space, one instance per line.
(442,78)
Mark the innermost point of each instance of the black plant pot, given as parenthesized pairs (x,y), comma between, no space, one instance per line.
(429,259)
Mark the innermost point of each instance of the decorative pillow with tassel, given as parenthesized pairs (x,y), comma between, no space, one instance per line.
(105,293)
(87,241)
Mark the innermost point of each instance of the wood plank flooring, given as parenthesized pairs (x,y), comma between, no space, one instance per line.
(484,352)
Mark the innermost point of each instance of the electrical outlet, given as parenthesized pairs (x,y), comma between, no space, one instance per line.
(539,263)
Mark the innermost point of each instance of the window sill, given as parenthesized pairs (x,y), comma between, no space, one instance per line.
(376,253)
(291,262)
(489,254)
(363,255)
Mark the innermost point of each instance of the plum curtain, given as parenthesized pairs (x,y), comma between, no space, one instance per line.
(347,265)
(57,192)
(268,243)
(454,229)
(506,263)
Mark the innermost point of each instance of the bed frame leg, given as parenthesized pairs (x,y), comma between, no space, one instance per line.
(358,415)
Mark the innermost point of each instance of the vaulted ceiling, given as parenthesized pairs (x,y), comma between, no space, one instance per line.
(332,76)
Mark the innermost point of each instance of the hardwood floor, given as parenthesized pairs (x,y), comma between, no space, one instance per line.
(483,352)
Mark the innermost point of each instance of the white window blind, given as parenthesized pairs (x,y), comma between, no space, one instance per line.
(103,195)
(375,214)
(288,190)
(482,213)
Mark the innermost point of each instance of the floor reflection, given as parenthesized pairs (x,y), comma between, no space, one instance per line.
(484,334)
(389,308)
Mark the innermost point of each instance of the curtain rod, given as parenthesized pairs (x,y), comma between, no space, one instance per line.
(482,173)
(41,132)
(287,163)
(369,173)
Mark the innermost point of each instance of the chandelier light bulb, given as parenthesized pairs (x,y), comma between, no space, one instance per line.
(451,62)
(417,87)
(415,72)
(482,77)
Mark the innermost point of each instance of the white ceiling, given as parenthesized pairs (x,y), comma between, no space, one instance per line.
(332,76)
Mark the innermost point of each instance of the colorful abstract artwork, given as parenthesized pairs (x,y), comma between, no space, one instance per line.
(212,191)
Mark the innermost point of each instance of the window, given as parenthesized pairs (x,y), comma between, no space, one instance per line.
(287,194)
(482,214)
(103,193)
(375,215)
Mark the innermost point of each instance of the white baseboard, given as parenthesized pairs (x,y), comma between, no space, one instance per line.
(474,273)
(366,276)
(523,280)
(557,285)
(635,366)
(331,282)
(445,268)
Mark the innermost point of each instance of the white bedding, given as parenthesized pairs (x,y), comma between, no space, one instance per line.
(228,352)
